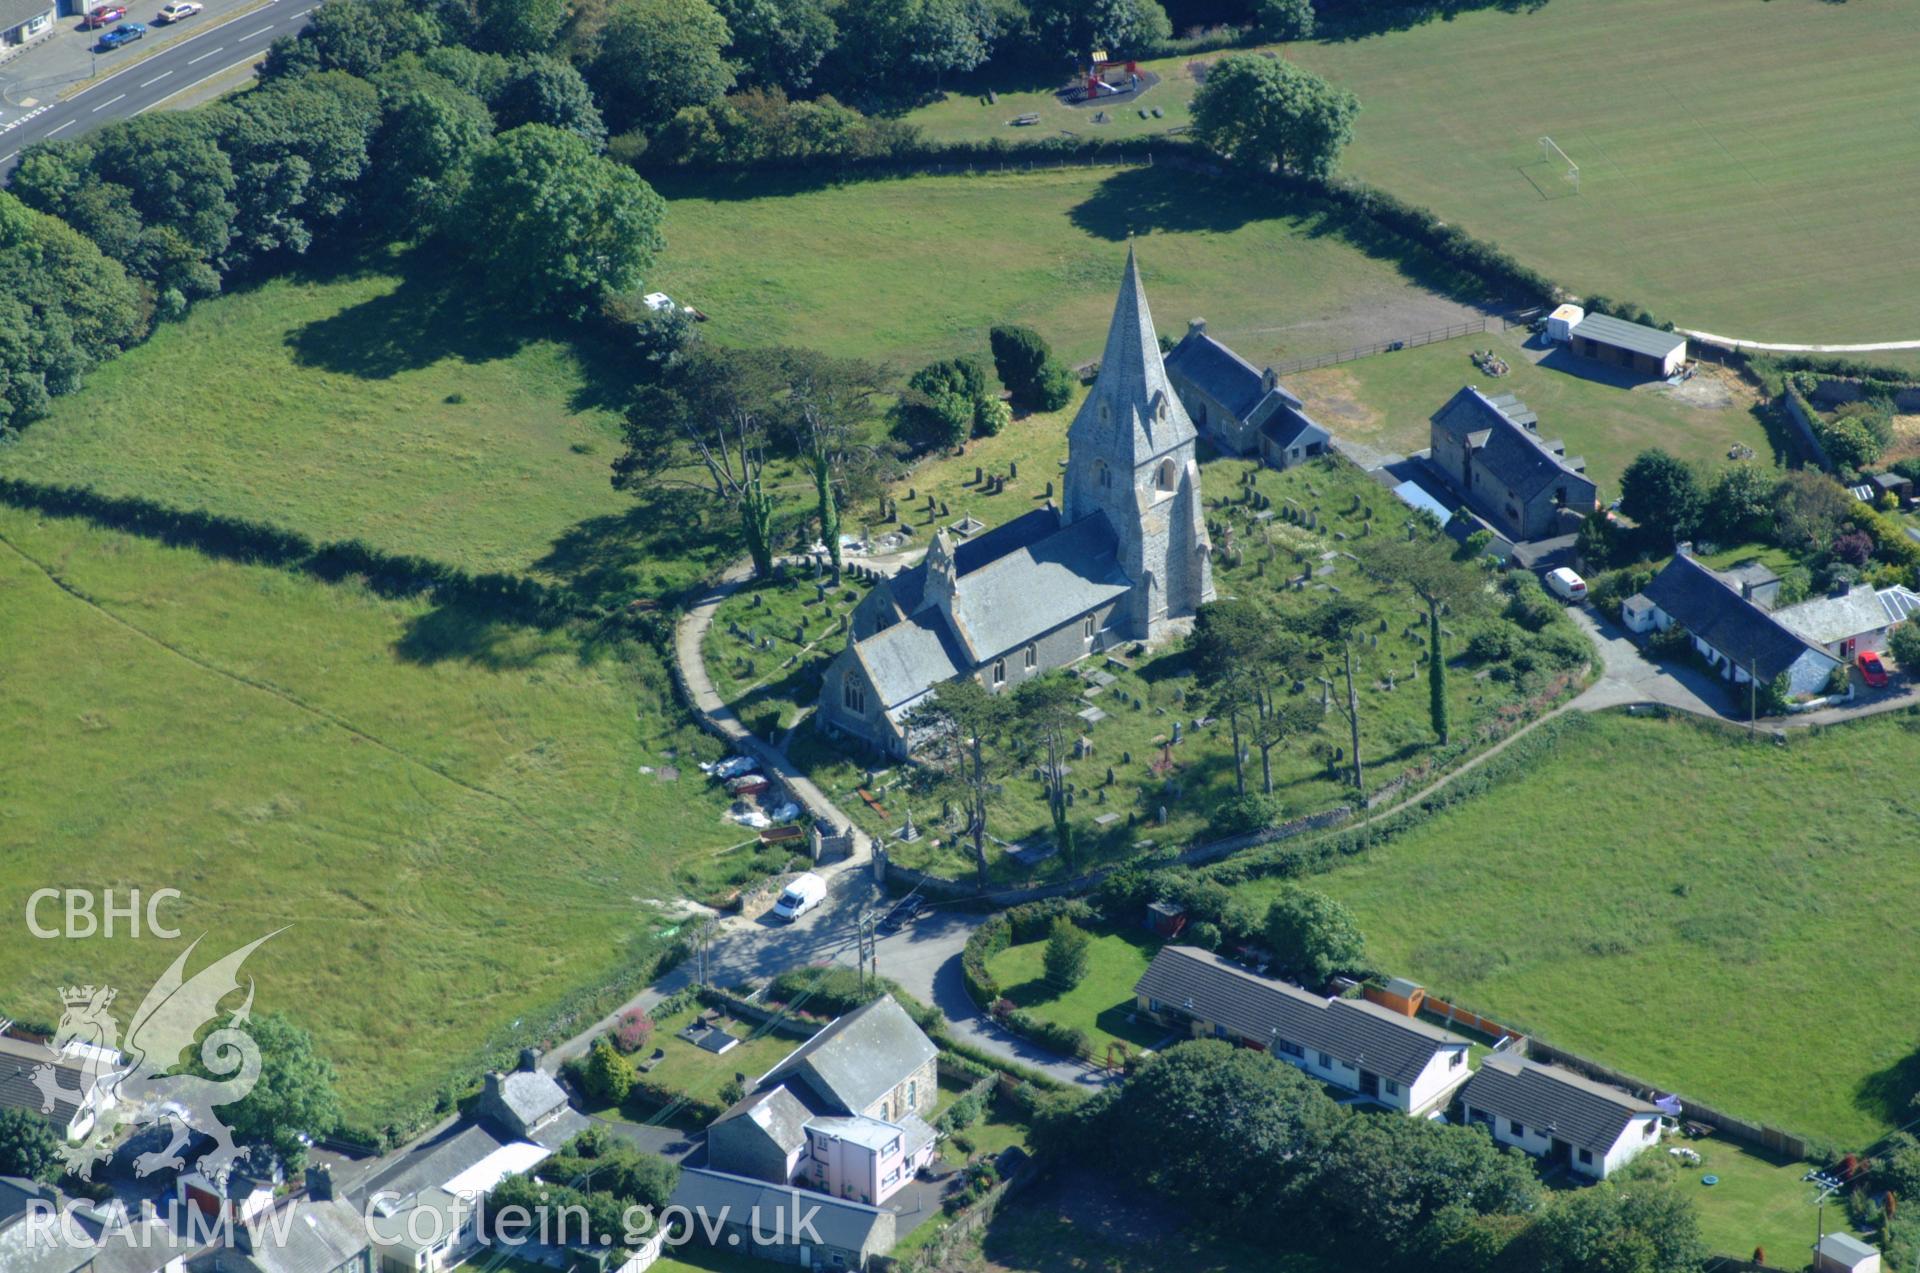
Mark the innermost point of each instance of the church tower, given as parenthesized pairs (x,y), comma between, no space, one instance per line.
(1130,455)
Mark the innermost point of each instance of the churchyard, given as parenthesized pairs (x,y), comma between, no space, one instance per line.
(1153,744)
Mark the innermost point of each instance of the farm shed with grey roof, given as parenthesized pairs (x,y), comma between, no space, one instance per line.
(1638,348)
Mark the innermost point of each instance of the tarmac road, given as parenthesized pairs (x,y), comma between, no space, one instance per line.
(144,85)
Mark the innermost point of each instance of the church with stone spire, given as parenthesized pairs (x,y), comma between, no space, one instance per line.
(1124,558)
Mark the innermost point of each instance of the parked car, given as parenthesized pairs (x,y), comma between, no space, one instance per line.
(1567,585)
(126,33)
(102,14)
(1872,670)
(902,913)
(177,11)
(805,893)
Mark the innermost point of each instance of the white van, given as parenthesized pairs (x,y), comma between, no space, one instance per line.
(1567,585)
(805,893)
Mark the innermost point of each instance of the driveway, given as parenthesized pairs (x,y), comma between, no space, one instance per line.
(1627,676)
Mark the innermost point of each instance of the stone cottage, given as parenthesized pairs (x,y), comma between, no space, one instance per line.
(1490,451)
(1240,409)
(1124,559)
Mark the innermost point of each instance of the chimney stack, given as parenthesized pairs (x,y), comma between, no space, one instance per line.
(1196,327)
(320,1183)
(1684,548)
(529,1060)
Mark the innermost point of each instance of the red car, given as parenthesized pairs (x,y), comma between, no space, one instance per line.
(101,14)
(1872,670)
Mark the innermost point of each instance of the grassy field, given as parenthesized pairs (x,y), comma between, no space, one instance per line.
(1676,903)
(1099,1005)
(365,404)
(1744,169)
(1385,401)
(451,815)
(916,268)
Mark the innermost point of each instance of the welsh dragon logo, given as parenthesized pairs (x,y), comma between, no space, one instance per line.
(133,1083)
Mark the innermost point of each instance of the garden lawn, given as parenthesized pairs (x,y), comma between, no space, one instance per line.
(700,1075)
(1100,1006)
(1386,401)
(1757,1202)
(449,815)
(1678,903)
(909,269)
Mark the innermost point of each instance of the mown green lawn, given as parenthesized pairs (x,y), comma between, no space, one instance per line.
(909,269)
(700,1075)
(1757,1201)
(1099,1005)
(450,814)
(1387,399)
(1677,903)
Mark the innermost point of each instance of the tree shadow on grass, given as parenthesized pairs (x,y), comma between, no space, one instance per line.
(663,544)
(431,316)
(1170,201)
(1888,1093)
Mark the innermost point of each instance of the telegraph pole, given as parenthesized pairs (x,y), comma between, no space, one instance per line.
(869,922)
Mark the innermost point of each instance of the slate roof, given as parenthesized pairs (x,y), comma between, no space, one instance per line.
(1713,610)
(849,1226)
(907,659)
(18,1060)
(1038,587)
(1621,334)
(777,1112)
(1117,418)
(15,13)
(860,1057)
(1289,426)
(990,546)
(318,1237)
(1824,620)
(1500,433)
(1221,374)
(1585,1114)
(1351,1030)
(433,1163)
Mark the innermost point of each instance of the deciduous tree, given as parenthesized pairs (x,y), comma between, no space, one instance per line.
(657,56)
(293,1095)
(964,725)
(1421,564)
(1266,114)
(546,90)
(28,1147)
(1662,494)
(829,399)
(778,43)
(1338,628)
(1314,936)
(1046,720)
(1065,957)
(552,226)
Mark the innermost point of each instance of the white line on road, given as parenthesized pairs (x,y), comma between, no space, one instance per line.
(7,158)
(204,56)
(156,79)
(303,13)
(102,106)
(69,124)
(262,31)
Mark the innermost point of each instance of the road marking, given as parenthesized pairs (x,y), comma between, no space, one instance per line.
(204,56)
(156,79)
(262,31)
(69,124)
(303,13)
(102,106)
(8,157)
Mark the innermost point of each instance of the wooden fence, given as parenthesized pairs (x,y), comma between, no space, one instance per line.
(1453,331)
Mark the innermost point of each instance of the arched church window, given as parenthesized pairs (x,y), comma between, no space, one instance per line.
(1165,476)
(1105,475)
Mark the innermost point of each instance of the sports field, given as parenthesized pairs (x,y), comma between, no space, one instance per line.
(451,815)
(915,268)
(1745,168)
(1709,914)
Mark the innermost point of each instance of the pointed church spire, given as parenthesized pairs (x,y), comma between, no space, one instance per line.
(1132,409)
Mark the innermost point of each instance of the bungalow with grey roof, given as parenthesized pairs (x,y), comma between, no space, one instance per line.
(1556,1114)
(1238,408)
(1125,558)
(1362,1047)
(1490,451)
(1739,639)
(1852,621)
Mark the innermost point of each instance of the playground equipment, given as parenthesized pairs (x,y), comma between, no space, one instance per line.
(1109,77)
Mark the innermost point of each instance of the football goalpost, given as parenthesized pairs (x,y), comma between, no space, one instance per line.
(1551,153)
